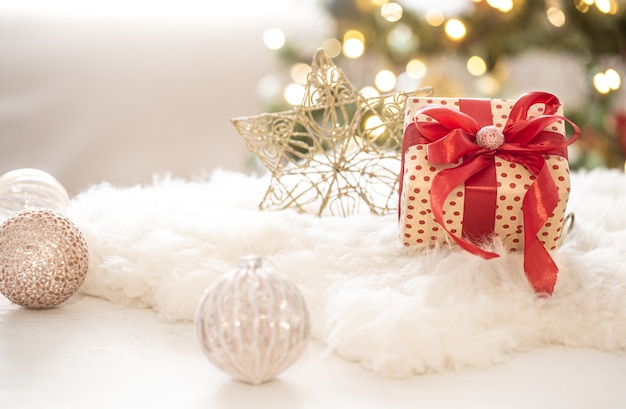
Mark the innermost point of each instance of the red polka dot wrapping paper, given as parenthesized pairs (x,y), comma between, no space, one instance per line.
(417,223)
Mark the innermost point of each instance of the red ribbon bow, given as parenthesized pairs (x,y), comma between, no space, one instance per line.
(452,137)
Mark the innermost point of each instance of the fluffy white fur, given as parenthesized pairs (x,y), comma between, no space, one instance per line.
(398,311)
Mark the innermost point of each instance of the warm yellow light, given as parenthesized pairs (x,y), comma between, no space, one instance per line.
(379,2)
(332,47)
(605,82)
(369,92)
(353,44)
(455,29)
(601,84)
(604,6)
(299,72)
(613,78)
(294,94)
(375,126)
(476,66)
(506,6)
(435,17)
(501,5)
(274,38)
(416,69)
(588,2)
(391,12)
(607,6)
(582,5)
(354,34)
(385,80)
(353,48)
(556,17)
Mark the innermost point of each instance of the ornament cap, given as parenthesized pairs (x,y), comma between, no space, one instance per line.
(251,262)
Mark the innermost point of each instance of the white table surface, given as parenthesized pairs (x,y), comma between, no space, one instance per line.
(90,353)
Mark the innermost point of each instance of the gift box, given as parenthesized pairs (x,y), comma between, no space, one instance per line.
(478,169)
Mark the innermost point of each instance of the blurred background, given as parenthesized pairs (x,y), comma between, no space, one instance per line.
(118,91)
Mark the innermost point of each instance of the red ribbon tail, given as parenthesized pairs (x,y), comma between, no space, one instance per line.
(540,269)
(539,203)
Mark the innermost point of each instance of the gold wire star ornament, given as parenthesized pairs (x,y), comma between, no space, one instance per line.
(336,153)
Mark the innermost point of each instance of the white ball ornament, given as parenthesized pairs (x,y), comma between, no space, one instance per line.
(253,322)
(43,258)
(23,189)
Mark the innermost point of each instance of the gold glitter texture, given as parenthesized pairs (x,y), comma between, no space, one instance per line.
(253,323)
(337,152)
(43,258)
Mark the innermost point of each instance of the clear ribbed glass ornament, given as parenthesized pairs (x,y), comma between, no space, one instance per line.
(24,189)
(253,322)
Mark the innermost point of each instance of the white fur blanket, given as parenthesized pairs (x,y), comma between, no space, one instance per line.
(396,310)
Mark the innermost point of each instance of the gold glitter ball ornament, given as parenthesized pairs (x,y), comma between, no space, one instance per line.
(43,258)
(253,322)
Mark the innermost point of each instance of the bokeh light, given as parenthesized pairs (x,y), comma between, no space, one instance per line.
(501,5)
(455,29)
(354,34)
(401,39)
(605,82)
(391,12)
(299,72)
(601,84)
(274,38)
(353,48)
(332,47)
(582,6)
(416,69)
(556,17)
(476,66)
(294,94)
(606,6)
(614,79)
(385,80)
(435,17)
(369,92)
(353,44)
(374,125)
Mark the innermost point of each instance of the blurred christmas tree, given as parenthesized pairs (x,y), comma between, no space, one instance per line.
(402,45)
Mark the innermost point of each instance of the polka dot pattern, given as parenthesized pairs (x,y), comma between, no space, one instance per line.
(418,226)
(515,180)
(416,217)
